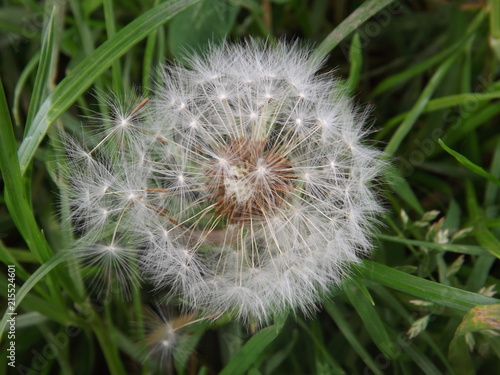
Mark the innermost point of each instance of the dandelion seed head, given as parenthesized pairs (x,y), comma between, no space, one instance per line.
(244,183)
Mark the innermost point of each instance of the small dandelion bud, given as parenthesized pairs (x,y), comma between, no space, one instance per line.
(244,182)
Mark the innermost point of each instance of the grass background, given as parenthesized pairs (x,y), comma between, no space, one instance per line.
(424,303)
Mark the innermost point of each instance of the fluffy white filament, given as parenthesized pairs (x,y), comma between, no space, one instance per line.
(242,184)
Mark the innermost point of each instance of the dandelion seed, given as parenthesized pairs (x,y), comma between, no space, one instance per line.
(244,184)
(165,336)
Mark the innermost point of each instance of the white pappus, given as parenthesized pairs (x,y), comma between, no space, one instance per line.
(243,185)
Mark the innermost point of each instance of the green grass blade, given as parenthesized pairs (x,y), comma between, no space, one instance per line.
(30,320)
(245,357)
(17,200)
(43,72)
(416,69)
(82,26)
(468,164)
(421,360)
(403,341)
(418,108)
(351,337)
(15,195)
(356,64)
(116,70)
(372,322)
(495,27)
(148,62)
(441,103)
(402,188)
(42,271)
(280,356)
(454,248)
(406,75)
(83,75)
(485,238)
(41,304)
(491,191)
(18,91)
(443,295)
(7,258)
(15,257)
(351,23)
(464,126)
(325,361)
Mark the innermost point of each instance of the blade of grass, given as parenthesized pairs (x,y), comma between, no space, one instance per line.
(147,63)
(27,71)
(406,75)
(351,23)
(30,320)
(23,256)
(15,196)
(41,272)
(416,69)
(7,258)
(461,249)
(467,123)
(403,340)
(83,75)
(495,27)
(478,277)
(468,164)
(418,107)
(43,72)
(82,26)
(116,70)
(402,188)
(154,44)
(244,358)
(42,80)
(421,360)
(485,238)
(17,200)
(107,343)
(350,336)
(355,64)
(438,104)
(41,305)
(372,322)
(442,295)
(61,355)
(272,363)
(491,191)
(320,347)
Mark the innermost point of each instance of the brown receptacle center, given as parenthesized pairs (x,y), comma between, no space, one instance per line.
(248,180)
